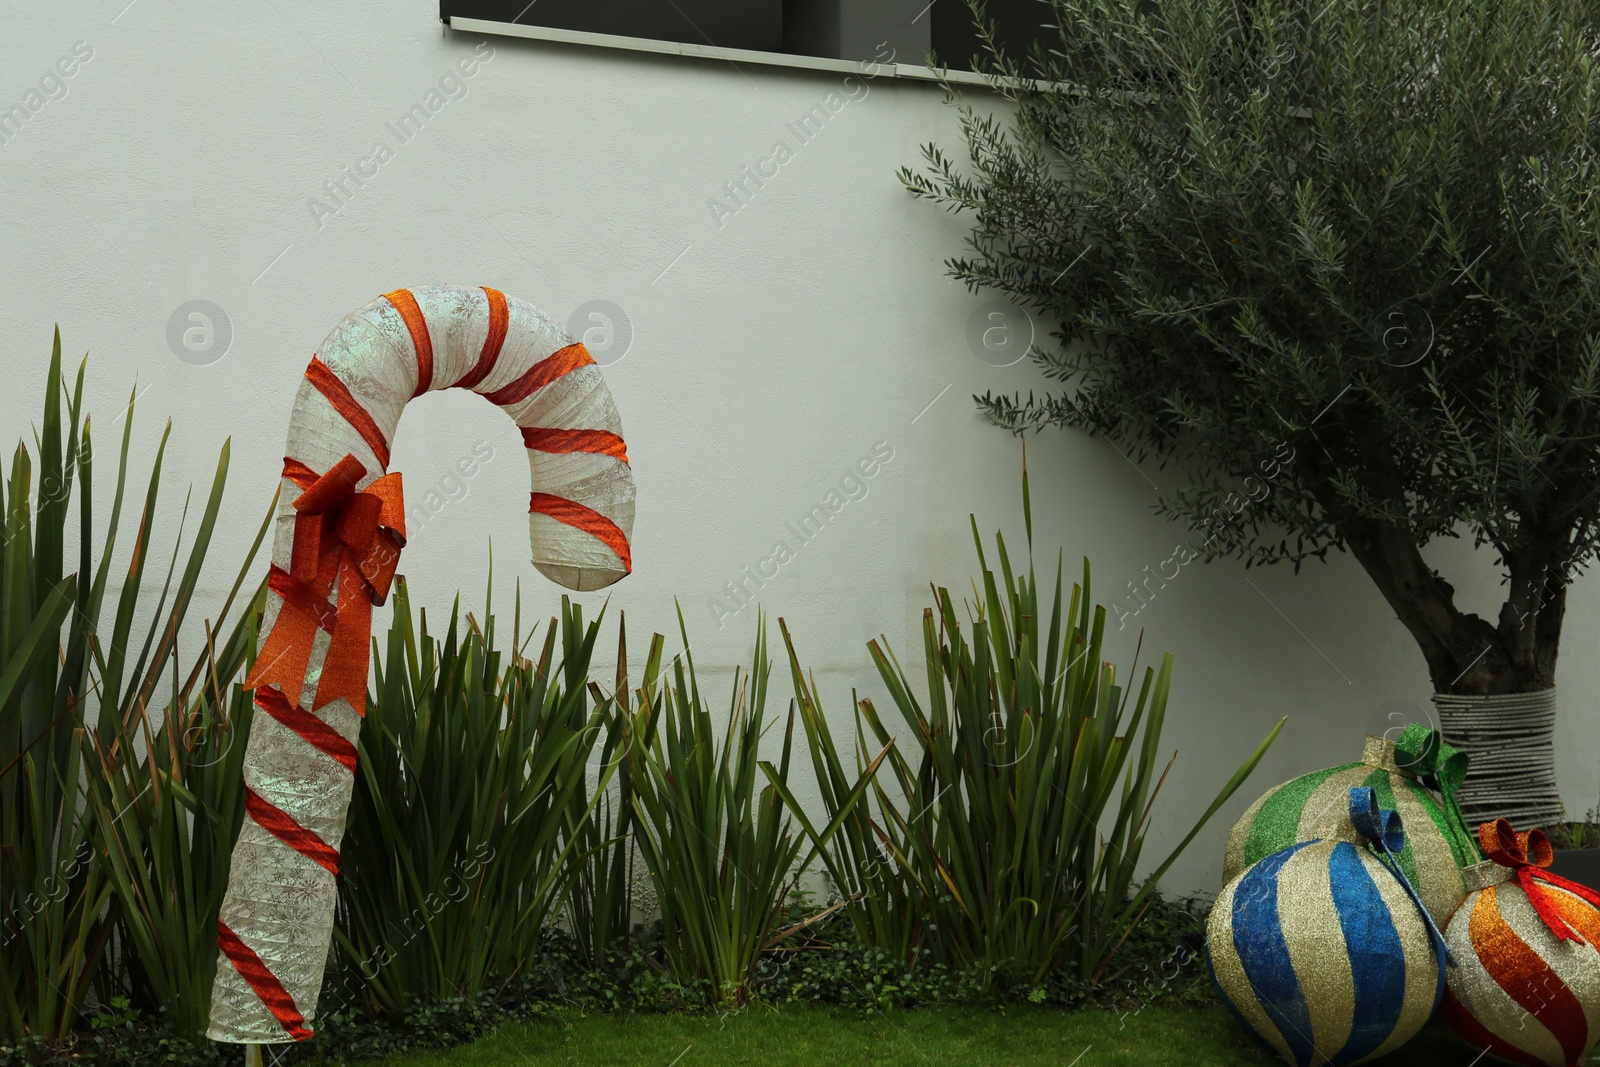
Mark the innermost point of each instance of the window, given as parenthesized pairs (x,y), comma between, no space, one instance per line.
(852,30)
(752,24)
(1018,23)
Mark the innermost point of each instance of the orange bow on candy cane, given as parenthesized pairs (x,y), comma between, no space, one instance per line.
(1527,854)
(344,534)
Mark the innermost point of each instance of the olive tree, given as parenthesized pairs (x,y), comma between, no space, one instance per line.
(1364,235)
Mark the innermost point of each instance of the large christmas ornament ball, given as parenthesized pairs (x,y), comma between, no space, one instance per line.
(1526,986)
(1321,951)
(1312,807)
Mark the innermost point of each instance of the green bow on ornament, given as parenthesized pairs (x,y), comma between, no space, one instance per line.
(1442,768)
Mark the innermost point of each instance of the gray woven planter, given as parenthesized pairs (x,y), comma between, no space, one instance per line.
(1510,738)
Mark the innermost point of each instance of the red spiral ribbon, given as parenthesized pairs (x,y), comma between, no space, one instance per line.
(264,982)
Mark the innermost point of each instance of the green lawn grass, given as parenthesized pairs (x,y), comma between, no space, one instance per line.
(944,1037)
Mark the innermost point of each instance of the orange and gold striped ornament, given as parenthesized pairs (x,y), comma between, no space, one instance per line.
(339,529)
(1528,985)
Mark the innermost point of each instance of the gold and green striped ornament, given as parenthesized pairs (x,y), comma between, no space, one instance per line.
(1404,776)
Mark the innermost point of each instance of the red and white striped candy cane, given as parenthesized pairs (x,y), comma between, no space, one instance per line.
(340,525)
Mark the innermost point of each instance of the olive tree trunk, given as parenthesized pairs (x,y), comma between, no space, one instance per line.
(1494,684)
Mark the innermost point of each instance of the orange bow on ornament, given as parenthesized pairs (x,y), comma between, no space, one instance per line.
(340,534)
(1527,854)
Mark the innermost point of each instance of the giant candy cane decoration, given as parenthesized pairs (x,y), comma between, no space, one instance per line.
(339,528)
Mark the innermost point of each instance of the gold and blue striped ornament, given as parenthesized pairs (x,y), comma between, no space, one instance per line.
(1324,950)
(1403,775)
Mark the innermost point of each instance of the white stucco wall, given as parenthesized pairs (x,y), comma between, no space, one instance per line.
(772,348)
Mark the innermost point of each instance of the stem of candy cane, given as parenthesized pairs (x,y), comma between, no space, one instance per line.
(339,529)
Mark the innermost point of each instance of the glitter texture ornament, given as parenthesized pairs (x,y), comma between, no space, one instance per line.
(339,529)
(1528,985)
(1401,774)
(1323,949)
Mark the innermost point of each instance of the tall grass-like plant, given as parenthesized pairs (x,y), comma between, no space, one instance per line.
(73,698)
(165,820)
(722,856)
(52,894)
(163,781)
(1012,831)
(470,761)
(600,905)
(879,900)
